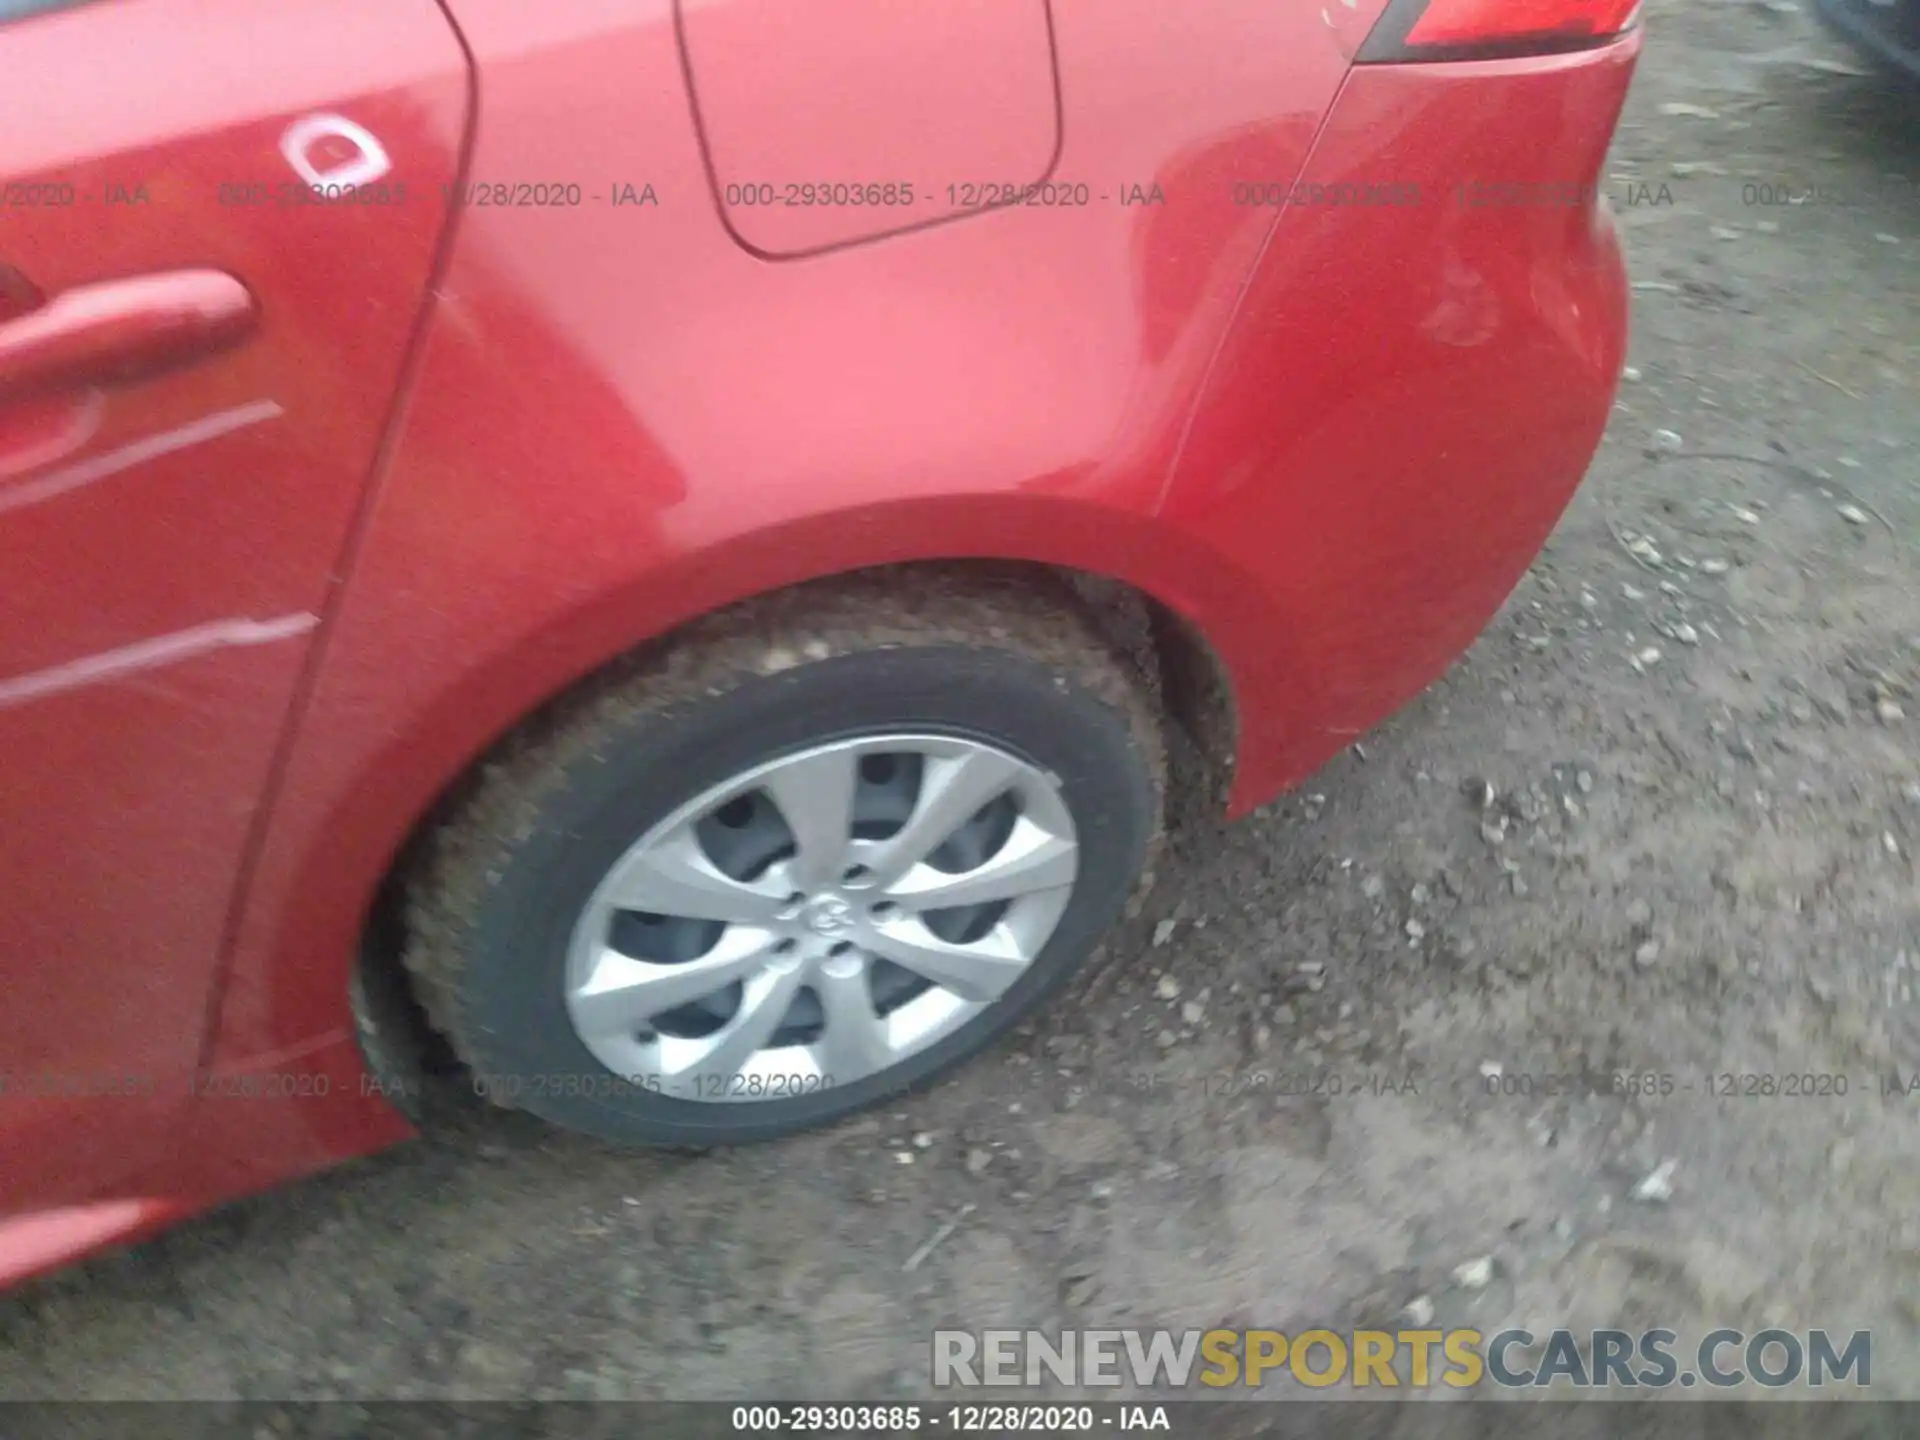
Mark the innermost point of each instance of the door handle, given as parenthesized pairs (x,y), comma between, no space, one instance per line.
(118,331)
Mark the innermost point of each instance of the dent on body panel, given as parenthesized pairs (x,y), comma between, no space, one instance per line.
(84,424)
(1209,113)
(141,764)
(150,654)
(1411,389)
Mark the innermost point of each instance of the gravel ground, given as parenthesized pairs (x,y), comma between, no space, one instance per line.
(1663,818)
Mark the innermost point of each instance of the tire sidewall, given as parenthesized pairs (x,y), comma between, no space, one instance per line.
(644,764)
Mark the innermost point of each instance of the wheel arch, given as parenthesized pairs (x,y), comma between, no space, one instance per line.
(1189,685)
(1158,595)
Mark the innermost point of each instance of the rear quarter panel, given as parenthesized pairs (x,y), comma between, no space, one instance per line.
(624,418)
(1410,393)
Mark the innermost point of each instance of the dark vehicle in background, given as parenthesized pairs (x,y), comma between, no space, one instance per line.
(1886,31)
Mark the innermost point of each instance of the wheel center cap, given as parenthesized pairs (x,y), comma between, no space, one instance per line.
(829,915)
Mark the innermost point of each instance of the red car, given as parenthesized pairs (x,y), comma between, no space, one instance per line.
(669,536)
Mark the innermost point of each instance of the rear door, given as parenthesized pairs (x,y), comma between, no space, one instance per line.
(218,225)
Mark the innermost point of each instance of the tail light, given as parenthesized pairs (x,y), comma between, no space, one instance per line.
(1494,29)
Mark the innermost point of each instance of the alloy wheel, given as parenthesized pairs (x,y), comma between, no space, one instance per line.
(821,917)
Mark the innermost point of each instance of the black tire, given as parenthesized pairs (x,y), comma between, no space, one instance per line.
(503,880)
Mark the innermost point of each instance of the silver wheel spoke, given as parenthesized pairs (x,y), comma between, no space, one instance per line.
(815,796)
(812,918)
(725,1053)
(623,994)
(674,877)
(1031,860)
(854,1042)
(952,790)
(980,971)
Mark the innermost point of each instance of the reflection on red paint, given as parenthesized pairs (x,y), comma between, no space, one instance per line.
(45,430)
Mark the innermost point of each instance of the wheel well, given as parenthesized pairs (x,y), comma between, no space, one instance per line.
(1180,672)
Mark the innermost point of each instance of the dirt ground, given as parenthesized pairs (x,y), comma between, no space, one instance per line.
(1663,818)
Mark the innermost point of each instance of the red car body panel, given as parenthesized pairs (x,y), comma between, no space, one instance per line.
(168,547)
(1408,398)
(1330,435)
(803,103)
